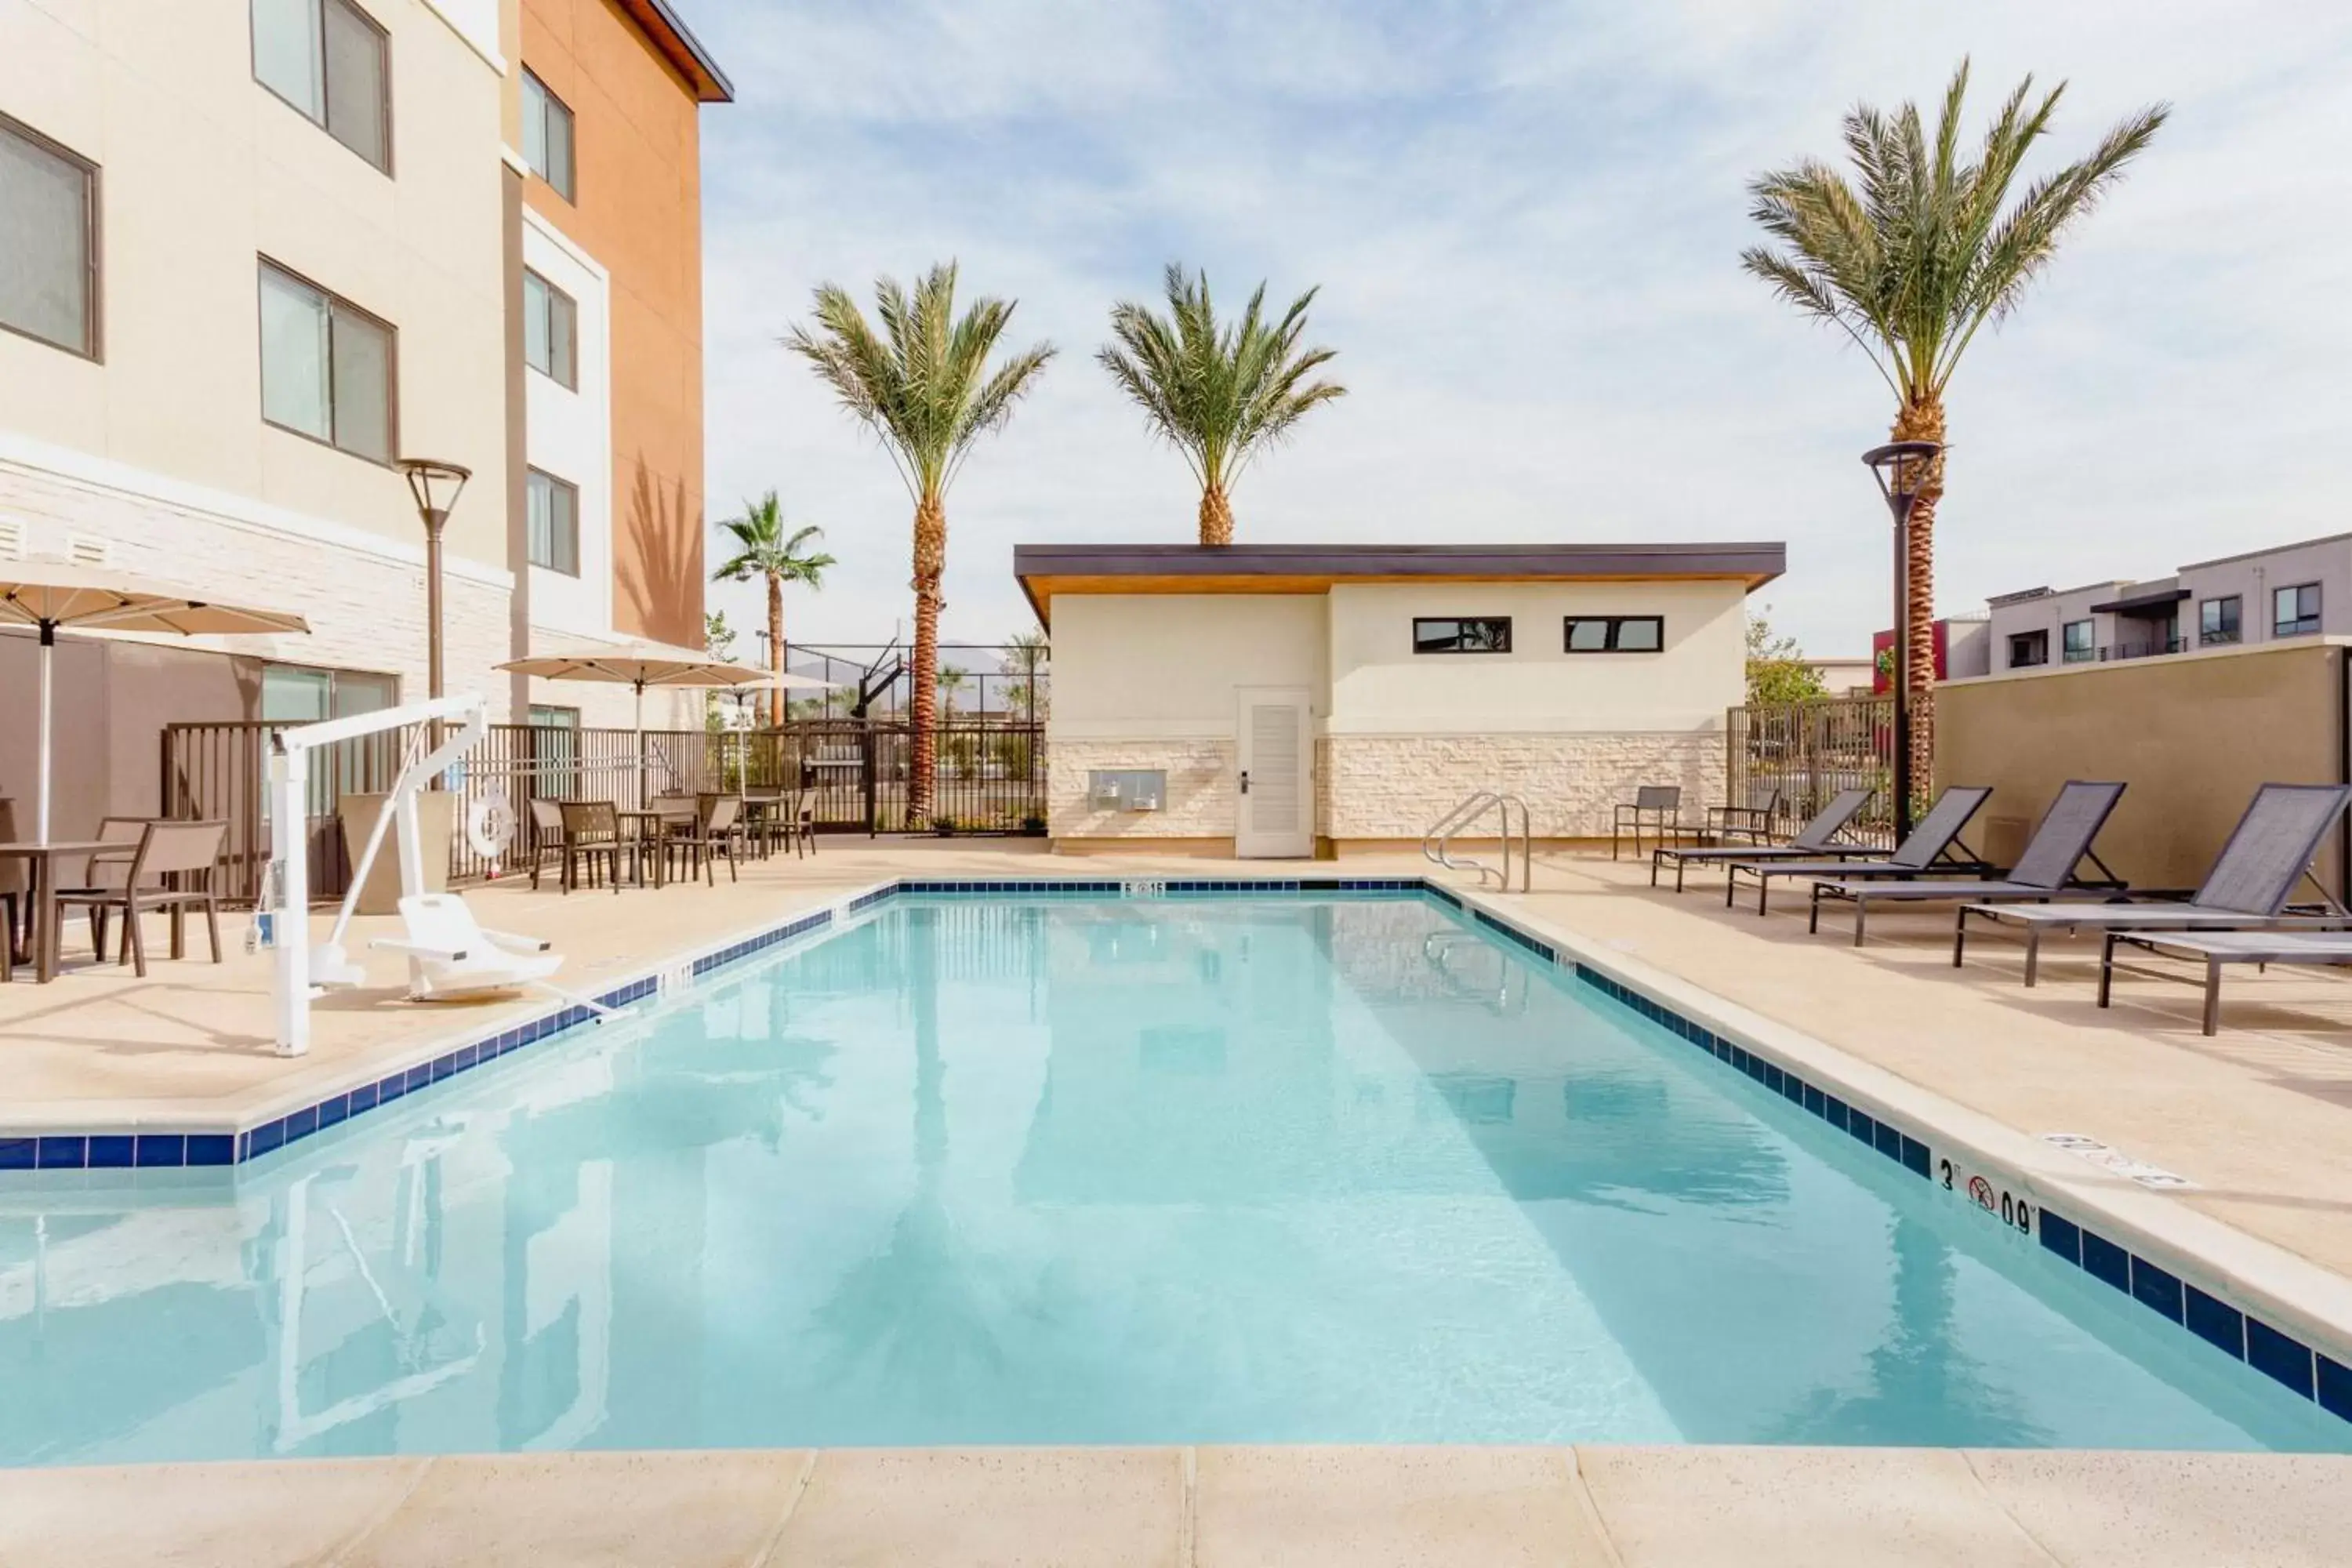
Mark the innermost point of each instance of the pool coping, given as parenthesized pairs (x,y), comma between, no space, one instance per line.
(2283,1314)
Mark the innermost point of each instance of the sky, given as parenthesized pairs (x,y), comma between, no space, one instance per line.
(1524,221)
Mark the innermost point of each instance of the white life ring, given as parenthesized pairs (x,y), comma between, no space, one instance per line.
(489,825)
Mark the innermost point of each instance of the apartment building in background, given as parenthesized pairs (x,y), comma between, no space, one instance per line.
(253,252)
(2264,595)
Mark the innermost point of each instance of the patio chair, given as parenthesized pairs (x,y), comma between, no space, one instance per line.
(185,852)
(1752,822)
(11,882)
(1815,840)
(2269,852)
(591,833)
(804,825)
(546,839)
(1653,806)
(450,956)
(1925,850)
(2219,948)
(713,835)
(2043,872)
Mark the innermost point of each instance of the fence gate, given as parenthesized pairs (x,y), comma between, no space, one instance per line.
(1810,751)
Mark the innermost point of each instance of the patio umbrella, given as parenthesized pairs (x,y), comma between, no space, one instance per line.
(639,665)
(49,594)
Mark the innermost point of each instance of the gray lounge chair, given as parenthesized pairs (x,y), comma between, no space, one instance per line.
(1815,840)
(2268,853)
(2044,871)
(2218,948)
(1924,850)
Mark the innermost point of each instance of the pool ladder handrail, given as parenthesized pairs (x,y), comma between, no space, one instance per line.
(1436,845)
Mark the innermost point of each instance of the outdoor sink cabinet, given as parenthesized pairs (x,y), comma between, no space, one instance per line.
(1321,699)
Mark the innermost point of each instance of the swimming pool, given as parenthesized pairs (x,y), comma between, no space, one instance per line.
(1065,1168)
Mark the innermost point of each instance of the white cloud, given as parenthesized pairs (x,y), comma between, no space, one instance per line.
(1525,220)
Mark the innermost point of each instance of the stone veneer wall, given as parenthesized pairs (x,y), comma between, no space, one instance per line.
(365,606)
(1395,787)
(1200,799)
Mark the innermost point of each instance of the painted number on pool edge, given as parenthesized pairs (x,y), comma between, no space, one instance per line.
(1982,1191)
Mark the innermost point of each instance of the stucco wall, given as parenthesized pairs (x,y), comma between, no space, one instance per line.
(2192,735)
(638,212)
(1136,665)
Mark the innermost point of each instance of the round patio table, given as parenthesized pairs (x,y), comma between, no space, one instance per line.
(41,890)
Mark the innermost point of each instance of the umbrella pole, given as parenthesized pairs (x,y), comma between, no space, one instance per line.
(641,744)
(41,804)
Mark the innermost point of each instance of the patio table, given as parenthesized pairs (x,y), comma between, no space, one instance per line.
(647,823)
(41,889)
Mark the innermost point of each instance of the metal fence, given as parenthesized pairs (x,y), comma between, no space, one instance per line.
(991,684)
(1810,751)
(988,777)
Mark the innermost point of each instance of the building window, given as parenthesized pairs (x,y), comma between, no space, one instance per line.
(2028,648)
(2294,611)
(544,717)
(2216,621)
(554,523)
(551,330)
(1615,633)
(48,241)
(2081,639)
(547,135)
(326,367)
(1479,634)
(329,59)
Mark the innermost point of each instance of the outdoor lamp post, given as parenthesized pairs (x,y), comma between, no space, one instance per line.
(1901,468)
(435,486)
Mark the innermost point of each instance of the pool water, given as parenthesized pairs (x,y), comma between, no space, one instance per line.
(1059,1170)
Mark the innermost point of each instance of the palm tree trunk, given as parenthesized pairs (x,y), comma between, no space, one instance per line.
(1216,515)
(1922,421)
(930,565)
(776,648)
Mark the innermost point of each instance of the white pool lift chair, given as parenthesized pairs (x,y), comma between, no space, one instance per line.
(451,956)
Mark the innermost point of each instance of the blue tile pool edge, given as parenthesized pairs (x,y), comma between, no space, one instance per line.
(2179,1292)
(2212,1309)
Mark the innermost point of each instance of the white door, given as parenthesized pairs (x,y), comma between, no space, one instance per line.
(1276,816)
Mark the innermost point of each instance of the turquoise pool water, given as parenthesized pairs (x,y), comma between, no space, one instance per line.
(1081,1170)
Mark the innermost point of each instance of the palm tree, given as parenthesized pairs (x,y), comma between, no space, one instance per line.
(925,388)
(1916,261)
(1024,652)
(762,550)
(951,681)
(1216,394)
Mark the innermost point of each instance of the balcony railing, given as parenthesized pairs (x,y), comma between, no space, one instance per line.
(2143,650)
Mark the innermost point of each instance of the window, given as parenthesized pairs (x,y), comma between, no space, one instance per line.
(2028,648)
(2081,642)
(48,241)
(544,717)
(327,60)
(547,135)
(326,367)
(1616,633)
(2216,621)
(551,330)
(554,523)
(1483,633)
(2294,611)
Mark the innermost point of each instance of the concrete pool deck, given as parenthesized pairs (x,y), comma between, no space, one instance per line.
(1199,1508)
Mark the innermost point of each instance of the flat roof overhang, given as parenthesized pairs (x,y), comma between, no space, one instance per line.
(678,43)
(1046,570)
(2142,604)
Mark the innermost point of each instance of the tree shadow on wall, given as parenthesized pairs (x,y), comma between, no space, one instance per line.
(659,574)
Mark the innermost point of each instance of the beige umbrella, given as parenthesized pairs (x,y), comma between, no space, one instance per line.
(639,665)
(49,593)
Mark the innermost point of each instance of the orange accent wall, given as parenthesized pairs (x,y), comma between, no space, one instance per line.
(638,176)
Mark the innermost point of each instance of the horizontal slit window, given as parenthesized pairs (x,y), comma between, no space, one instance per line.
(1615,633)
(1461,634)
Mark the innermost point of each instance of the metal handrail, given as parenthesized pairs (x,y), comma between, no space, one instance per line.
(1436,844)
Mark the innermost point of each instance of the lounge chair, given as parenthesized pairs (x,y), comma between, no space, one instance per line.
(451,956)
(2044,871)
(1924,850)
(2218,948)
(1815,840)
(2268,853)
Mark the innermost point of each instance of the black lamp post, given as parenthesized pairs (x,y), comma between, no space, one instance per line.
(435,486)
(1902,469)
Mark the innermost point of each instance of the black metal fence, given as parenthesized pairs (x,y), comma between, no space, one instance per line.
(989,777)
(979,684)
(1810,751)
